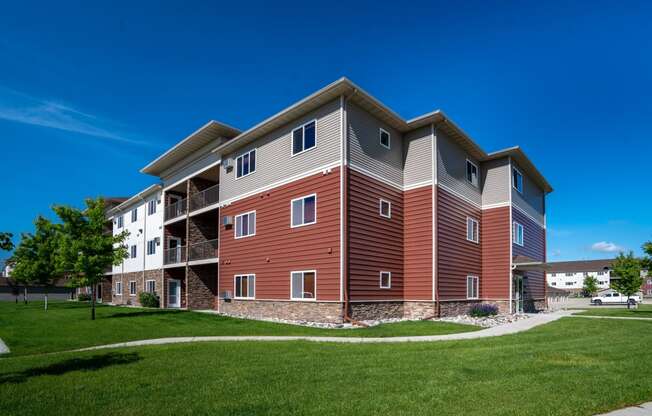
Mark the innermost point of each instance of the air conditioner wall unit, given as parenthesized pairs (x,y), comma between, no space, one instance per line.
(227,220)
(228,164)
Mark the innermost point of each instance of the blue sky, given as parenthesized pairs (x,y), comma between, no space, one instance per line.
(89,94)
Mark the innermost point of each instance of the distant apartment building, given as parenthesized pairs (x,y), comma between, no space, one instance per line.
(337,208)
(570,275)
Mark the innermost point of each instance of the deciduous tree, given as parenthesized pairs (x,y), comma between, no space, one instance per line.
(628,270)
(5,241)
(590,285)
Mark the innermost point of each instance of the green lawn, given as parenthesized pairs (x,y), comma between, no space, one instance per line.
(643,311)
(569,367)
(28,329)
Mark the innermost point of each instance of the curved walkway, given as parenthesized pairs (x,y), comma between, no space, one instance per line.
(511,328)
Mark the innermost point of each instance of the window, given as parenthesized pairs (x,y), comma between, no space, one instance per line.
(118,288)
(132,288)
(303,211)
(151,247)
(517,180)
(385,138)
(133,252)
(150,286)
(134,215)
(553,275)
(385,209)
(385,280)
(471,173)
(570,283)
(245,225)
(601,273)
(303,138)
(304,285)
(517,233)
(121,221)
(151,207)
(472,230)
(245,164)
(570,274)
(553,283)
(472,287)
(245,286)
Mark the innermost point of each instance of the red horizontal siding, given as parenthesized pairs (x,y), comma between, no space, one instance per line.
(534,246)
(277,249)
(495,237)
(417,243)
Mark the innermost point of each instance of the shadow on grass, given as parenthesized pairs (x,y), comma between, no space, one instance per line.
(94,363)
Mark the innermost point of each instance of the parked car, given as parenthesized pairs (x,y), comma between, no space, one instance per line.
(615,298)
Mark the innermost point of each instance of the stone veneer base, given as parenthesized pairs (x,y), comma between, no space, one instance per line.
(323,312)
(125,278)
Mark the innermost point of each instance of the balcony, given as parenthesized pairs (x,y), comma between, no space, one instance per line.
(205,198)
(174,255)
(177,209)
(204,250)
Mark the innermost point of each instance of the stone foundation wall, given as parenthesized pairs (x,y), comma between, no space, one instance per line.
(454,308)
(369,311)
(419,310)
(125,278)
(534,305)
(202,286)
(326,312)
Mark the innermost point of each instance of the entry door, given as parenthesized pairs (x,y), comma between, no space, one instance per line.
(518,293)
(98,293)
(175,250)
(174,294)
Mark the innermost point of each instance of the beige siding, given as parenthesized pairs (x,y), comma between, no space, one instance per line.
(191,165)
(417,147)
(495,181)
(531,201)
(451,169)
(274,160)
(365,150)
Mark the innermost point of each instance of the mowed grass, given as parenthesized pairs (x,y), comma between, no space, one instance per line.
(28,329)
(643,311)
(569,367)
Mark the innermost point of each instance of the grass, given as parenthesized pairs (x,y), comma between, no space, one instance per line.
(569,367)
(28,329)
(643,311)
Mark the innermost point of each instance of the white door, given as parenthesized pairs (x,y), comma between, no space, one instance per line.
(174,294)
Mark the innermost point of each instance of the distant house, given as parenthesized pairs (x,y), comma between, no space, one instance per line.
(570,275)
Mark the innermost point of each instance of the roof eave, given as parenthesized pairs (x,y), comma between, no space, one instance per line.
(140,195)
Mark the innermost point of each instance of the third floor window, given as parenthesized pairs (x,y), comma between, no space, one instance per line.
(134,215)
(471,173)
(245,164)
(304,138)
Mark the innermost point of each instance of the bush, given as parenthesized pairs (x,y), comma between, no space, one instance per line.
(483,309)
(83,297)
(148,300)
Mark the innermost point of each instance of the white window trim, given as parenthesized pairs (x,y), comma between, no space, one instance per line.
(302,287)
(150,280)
(381,280)
(467,230)
(135,288)
(520,191)
(235,225)
(477,174)
(380,208)
(151,203)
(292,211)
(153,242)
(120,221)
(132,215)
(515,225)
(132,248)
(476,283)
(303,126)
(241,275)
(389,135)
(118,293)
(235,170)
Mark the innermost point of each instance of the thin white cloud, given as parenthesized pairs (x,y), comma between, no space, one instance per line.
(606,247)
(555,253)
(22,108)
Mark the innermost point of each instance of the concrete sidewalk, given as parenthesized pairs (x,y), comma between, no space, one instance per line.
(3,348)
(644,409)
(630,318)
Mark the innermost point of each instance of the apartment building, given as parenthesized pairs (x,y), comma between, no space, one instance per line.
(570,275)
(337,208)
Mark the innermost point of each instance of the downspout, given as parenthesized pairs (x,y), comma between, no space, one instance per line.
(144,239)
(511,237)
(435,251)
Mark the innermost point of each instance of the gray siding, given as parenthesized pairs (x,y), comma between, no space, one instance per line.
(451,168)
(417,149)
(274,160)
(191,165)
(495,181)
(365,150)
(531,201)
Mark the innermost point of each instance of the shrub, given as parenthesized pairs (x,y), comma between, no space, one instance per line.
(148,300)
(83,297)
(483,309)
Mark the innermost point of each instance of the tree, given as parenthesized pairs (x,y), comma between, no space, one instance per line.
(5,241)
(647,260)
(590,285)
(628,270)
(35,258)
(85,250)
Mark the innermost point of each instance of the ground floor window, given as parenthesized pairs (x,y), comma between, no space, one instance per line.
(118,288)
(304,285)
(132,288)
(150,286)
(472,287)
(385,280)
(245,286)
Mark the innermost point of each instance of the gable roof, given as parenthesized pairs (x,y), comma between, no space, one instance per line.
(580,266)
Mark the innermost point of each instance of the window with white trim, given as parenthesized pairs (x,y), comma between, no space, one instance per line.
(303,211)
(134,215)
(121,221)
(385,280)
(517,180)
(304,138)
(150,286)
(245,164)
(151,247)
(385,138)
(245,225)
(601,273)
(303,285)
(244,286)
(517,233)
(151,207)
(132,288)
(472,230)
(133,251)
(118,288)
(471,173)
(385,208)
(472,287)
(570,274)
